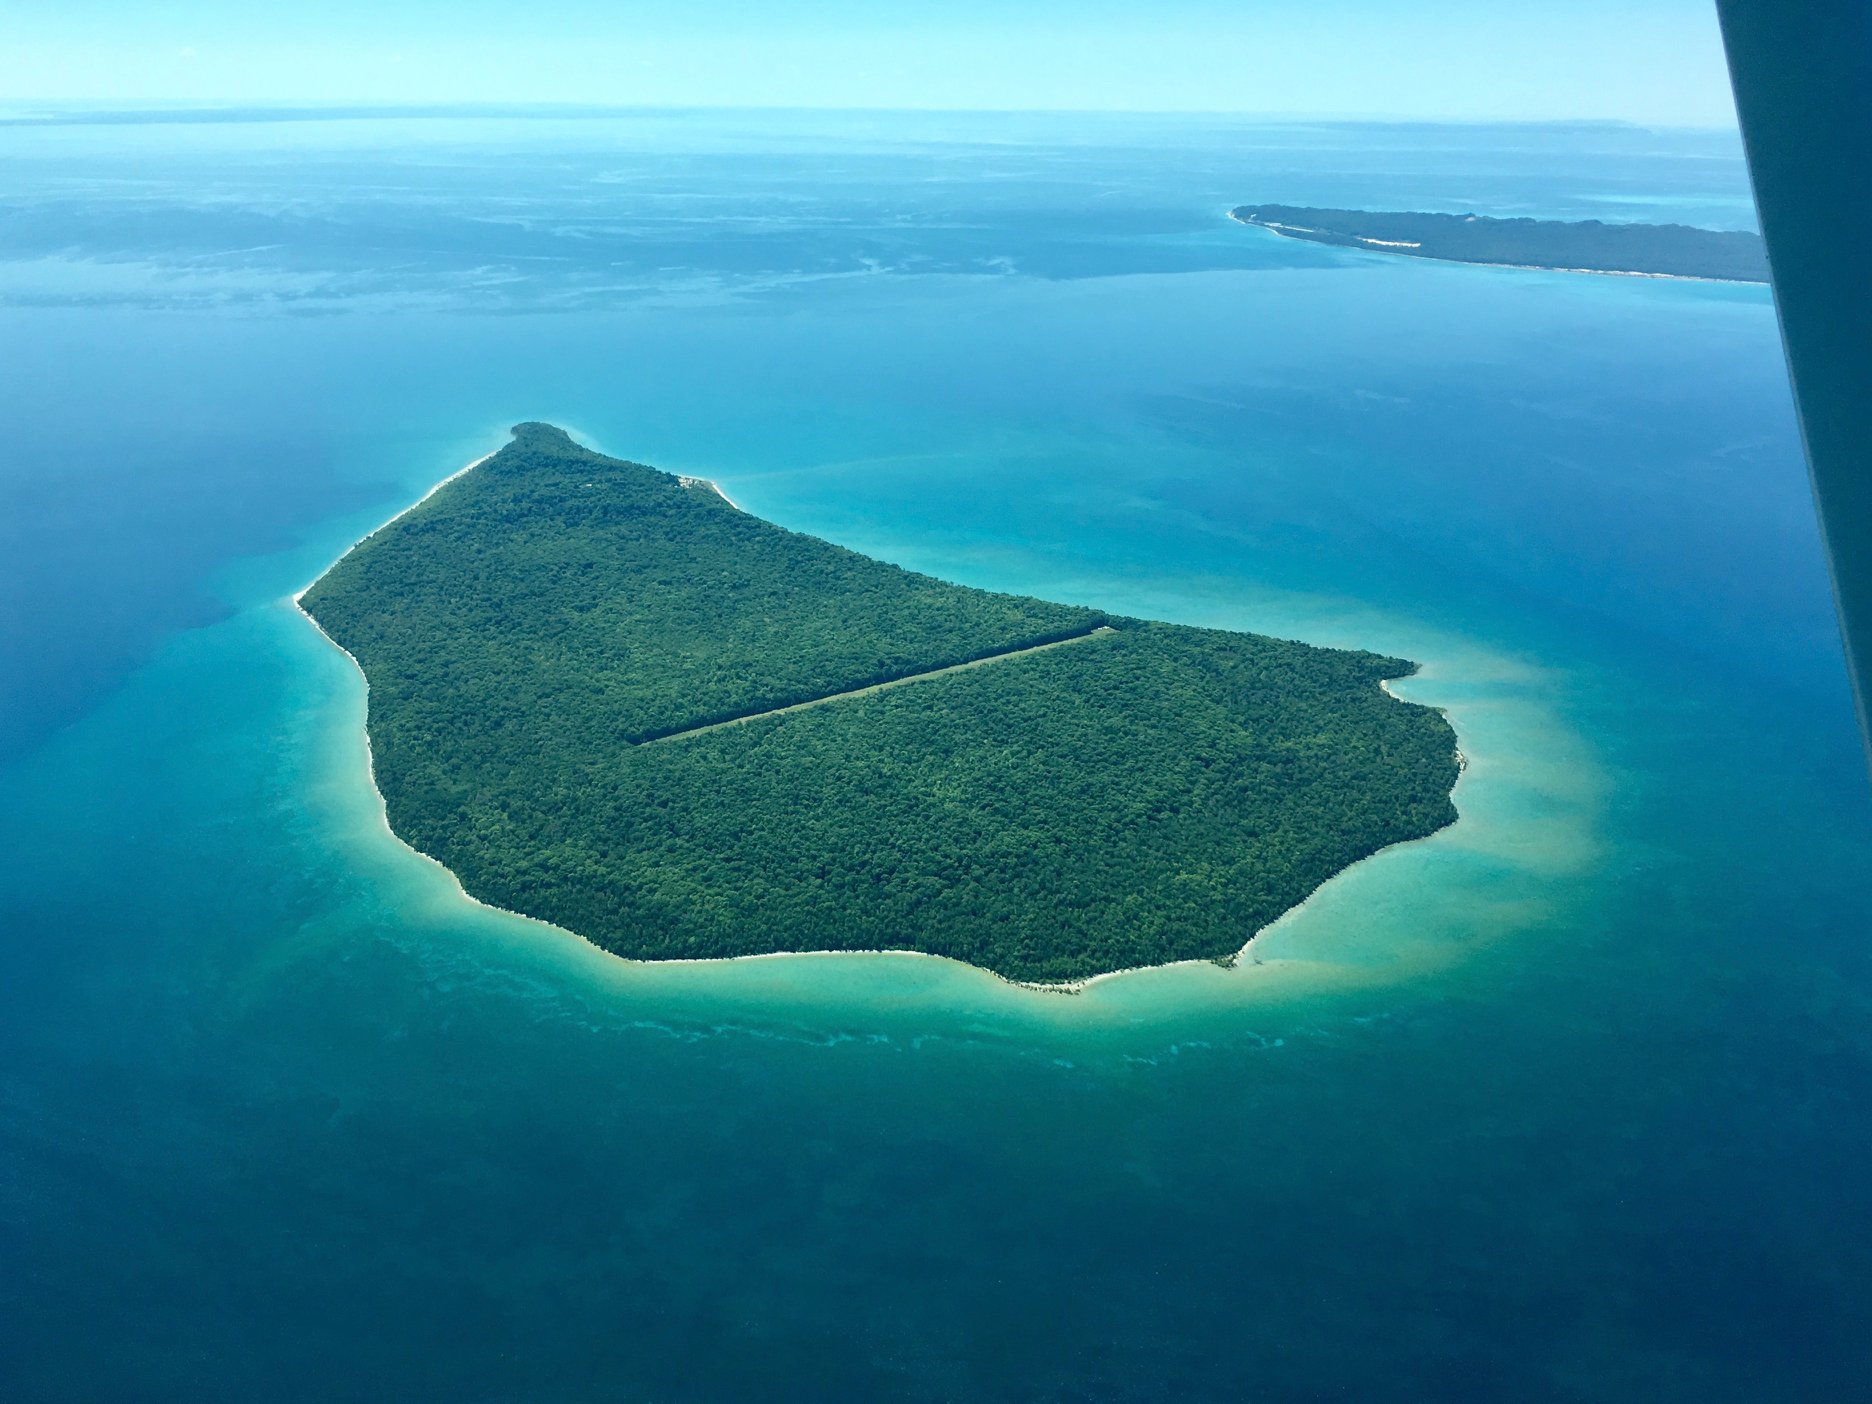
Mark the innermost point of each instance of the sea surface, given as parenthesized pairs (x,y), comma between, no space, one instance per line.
(1571,1102)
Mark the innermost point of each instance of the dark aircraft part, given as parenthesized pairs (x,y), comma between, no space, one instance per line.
(1803,83)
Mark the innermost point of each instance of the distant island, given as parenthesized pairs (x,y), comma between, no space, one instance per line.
(604,696)
(1585,246)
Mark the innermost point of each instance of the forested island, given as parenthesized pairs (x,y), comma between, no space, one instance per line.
(605,697)
(1583,246)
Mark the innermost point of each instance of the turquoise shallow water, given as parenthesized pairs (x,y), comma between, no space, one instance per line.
(1566,1103)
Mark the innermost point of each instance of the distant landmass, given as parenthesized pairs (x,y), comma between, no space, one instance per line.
(606,697)
(1584,246)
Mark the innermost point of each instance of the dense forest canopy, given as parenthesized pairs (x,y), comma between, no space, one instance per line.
(1589,245)
(1146,793)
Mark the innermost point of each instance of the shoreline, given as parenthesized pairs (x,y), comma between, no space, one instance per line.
(370,755)
(389,521)
(690,481)
(1073,986)
(1234,962)
(1406,251)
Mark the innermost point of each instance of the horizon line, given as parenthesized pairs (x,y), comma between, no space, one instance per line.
(108,112)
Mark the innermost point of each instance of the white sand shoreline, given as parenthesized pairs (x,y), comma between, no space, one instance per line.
(1065,987)
(690,481)
(370,757)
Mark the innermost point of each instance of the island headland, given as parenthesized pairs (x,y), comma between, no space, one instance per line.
(1583,246)
(605,697)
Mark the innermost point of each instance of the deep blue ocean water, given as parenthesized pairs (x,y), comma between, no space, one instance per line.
(1568,1103)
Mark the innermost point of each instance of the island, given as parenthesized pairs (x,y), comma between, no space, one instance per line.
(605,697)
(1582,246)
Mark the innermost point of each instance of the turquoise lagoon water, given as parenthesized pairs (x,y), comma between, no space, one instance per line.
(1568,1102)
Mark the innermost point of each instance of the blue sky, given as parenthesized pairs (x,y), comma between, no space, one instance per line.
(1653,61)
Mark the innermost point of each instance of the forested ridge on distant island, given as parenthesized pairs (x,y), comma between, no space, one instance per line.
(1587,246)
(544,635)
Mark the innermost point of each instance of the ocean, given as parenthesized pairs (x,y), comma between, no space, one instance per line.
(1570,1102)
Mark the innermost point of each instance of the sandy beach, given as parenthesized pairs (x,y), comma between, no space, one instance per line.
(712,486)
(370,759)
